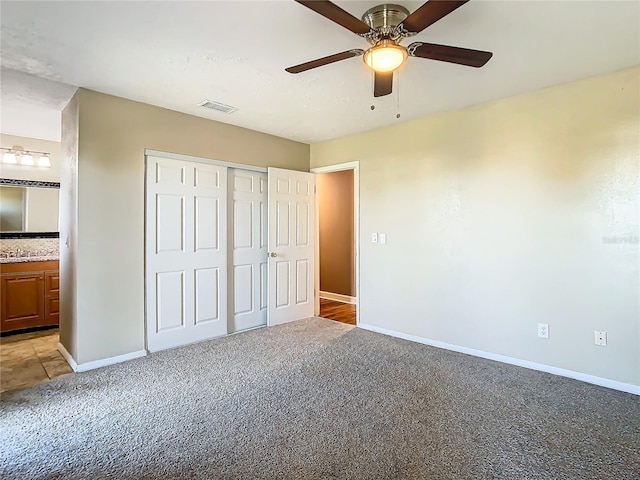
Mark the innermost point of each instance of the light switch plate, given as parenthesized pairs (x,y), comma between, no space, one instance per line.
(383,238)
(374,238)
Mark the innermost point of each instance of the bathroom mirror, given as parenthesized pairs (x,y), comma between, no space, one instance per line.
(28,209)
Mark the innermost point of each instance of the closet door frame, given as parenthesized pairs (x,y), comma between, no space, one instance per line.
(188,158)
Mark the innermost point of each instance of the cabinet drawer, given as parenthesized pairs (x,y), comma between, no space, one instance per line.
(52,284)
(52,311)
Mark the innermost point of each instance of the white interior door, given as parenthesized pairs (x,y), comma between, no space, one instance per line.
(248,241)
(186,243)
(291,245)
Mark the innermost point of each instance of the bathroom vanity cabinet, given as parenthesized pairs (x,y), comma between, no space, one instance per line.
(30,294)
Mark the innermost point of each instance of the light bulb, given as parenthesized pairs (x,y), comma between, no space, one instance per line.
(27,159)
(386,56)
(44,161)
(9,157)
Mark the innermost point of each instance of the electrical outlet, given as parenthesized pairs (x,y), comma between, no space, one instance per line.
(374,238)
(601,338)
(543,330)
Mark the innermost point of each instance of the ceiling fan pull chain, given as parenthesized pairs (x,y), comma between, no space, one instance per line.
(373,87)
(397,75)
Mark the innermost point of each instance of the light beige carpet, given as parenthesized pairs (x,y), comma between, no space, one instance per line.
(317,399)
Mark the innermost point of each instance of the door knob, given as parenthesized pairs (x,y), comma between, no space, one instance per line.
(273,254)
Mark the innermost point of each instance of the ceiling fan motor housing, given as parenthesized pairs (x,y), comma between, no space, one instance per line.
(387,15)
(384,19)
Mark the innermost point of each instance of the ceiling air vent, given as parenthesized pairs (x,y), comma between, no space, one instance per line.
(221,107)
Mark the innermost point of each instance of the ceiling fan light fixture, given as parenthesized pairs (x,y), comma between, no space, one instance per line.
(385,56)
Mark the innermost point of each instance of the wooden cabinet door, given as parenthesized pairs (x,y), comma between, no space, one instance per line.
(22,301)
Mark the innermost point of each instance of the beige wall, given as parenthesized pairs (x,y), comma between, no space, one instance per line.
(113,134)
(507,214)
(336,232)
(32,173)
(69,227)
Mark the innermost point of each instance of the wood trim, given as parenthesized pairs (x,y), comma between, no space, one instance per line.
(189,158)
(29,267)
(355,166)
(336,168)
(338,297)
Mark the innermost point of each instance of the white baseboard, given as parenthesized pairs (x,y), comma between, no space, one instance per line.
(67,356)
(338,297)
(603,382)
(84,367)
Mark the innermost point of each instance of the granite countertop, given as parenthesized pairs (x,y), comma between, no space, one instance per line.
(28,259)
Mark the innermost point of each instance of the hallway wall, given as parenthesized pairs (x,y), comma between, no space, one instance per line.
(336,225)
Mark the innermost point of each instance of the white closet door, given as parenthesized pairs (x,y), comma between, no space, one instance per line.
(186,242)
(291,245)
(248,241)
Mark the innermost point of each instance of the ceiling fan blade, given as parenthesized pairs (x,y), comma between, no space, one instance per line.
(334,13)
(447,53)
(429,13)
(382,84)
(303,67)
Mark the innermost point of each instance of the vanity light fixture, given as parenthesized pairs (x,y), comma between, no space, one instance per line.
(44,160)
(27,159)
(9,157)
(17,155)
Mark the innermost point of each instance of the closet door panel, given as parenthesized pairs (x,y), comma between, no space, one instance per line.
(247,241)
(186,252)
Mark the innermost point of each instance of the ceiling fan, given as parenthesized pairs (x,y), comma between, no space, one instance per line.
(385,26)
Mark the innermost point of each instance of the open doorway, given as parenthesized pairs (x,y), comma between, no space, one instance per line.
(336,251)
(29,262)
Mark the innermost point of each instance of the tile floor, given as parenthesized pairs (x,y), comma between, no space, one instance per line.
(30,358)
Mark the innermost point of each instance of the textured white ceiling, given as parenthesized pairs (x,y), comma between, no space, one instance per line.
(176,53)
(31,106)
